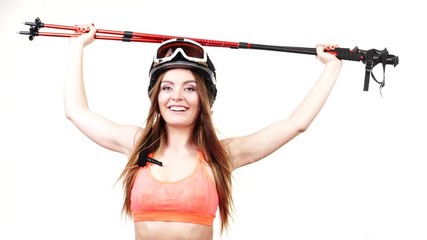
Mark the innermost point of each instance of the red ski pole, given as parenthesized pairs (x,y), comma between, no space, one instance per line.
(370,57)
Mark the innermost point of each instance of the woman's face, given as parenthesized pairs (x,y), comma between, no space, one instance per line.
(178,98)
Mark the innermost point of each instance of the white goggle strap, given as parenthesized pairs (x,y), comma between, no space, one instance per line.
(177,50)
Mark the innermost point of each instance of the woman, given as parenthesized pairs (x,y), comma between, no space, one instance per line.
(179,173)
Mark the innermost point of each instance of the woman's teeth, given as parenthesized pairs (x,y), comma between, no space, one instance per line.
(177,109)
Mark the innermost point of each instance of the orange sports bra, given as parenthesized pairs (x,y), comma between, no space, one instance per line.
(193,199)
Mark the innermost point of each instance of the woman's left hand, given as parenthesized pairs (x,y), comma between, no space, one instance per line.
(325,57)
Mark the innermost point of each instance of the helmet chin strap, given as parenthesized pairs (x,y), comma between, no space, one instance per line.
(143,159)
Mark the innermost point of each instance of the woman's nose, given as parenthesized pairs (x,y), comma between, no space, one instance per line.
(176,95)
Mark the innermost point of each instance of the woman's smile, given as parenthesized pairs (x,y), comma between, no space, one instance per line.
(178,98)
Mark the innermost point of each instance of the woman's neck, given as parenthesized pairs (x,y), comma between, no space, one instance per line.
(179,138)
(179,145)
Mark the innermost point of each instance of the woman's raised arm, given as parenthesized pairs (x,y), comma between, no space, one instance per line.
(251,148)
(116,137)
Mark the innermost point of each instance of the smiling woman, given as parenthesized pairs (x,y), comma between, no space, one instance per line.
(178,173)
(358,172)
(178,99)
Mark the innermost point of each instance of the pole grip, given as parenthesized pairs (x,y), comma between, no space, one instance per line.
(347,54)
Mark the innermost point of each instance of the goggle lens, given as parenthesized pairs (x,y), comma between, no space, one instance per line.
(189,49)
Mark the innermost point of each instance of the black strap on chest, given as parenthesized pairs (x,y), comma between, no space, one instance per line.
(143,159)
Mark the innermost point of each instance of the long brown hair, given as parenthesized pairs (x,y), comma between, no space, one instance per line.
(205,138)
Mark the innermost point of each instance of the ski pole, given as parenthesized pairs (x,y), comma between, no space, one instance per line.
(370,58)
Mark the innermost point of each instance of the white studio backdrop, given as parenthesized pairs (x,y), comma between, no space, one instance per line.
(358,172)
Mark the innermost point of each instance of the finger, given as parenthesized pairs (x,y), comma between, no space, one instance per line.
(82,28)
(331,47)
(320,48)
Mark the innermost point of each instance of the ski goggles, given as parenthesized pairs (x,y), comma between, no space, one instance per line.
(189,49)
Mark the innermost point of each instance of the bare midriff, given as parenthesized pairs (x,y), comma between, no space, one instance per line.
(157,230)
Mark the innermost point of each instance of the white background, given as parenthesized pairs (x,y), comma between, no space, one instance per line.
(359,172)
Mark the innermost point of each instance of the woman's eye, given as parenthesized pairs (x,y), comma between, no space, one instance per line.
(191,89)
(166,88)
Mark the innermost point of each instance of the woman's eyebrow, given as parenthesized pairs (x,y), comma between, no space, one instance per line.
(185,82)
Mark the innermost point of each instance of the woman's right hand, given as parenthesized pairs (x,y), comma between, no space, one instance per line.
(325,57)
(87,36)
